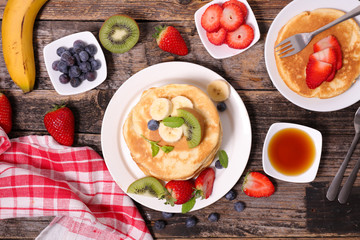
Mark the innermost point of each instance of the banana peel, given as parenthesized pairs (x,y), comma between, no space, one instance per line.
(17,40)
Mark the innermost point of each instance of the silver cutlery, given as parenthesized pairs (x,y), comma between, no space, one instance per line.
(298,42)
(335,184)
(346,189)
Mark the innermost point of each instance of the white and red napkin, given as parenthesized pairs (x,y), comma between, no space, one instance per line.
(39,177)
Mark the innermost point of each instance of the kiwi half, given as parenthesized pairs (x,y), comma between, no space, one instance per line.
(194,126)
(147,186)
(119,33)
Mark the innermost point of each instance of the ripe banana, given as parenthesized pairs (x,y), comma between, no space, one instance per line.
(180,102)
(17,40)
(160,108)
(169,134)
(218,90)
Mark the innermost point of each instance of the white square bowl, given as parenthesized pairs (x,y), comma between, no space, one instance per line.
(50,56)
(307,176)
(224,51)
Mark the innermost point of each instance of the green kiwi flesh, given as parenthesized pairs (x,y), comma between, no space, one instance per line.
(147,186)
(193,129)
(119,33)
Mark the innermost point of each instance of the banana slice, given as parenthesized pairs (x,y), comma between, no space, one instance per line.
(169,134)
(218,90)
(180,102)
(160,109)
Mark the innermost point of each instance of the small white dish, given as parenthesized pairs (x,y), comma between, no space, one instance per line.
(50,56)
(224,51)
(307,176)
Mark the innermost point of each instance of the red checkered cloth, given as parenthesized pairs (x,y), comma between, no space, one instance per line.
(39,177)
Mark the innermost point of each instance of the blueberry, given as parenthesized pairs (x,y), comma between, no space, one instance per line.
(82,76)
(239,206)
(159,224)
(68,58)
(91,49)
(77,59)
(153,125)
(95,64)
(74,71)
(84,56)
(90,76)
(85,67)
(63,67)
(213,217)
(60,51)
(167,215)
(79,46)
(221,106)
(55,65)
(218,164)
(75,82)
(72,51)
(190,222)
(64,78)
(231,195)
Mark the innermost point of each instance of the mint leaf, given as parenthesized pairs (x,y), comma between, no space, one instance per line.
(167,149)
(188,205)
(154,149)
(223,158)
(173,122)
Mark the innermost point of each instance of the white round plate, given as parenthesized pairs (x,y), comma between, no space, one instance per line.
(235,121)
(341,101)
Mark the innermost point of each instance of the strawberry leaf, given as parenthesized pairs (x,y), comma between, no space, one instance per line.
(173,122)
(186,207)
(223,158)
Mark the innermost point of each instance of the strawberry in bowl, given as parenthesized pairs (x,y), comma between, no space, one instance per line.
(226,27)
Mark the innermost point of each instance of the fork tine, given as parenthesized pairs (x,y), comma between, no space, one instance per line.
(282,42)
(288,52)
(284,47)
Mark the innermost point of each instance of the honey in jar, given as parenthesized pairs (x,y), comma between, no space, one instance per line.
(291,151)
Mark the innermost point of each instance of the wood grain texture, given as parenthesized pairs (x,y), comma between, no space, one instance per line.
(295,211)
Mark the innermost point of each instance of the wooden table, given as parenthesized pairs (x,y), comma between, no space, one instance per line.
(298,211)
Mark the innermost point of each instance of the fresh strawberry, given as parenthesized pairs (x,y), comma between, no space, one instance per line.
(210,20)
(317,72)
(327,55)
(180,191)
(60,123)
(204,182)
(240,38)
(5,113)
(240,4)
(217,38)
(330,41)
(257,185)
(169,39)
(232,17)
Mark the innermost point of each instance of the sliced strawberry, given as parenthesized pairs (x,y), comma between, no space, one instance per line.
(217,38)
(240,4)
(327,55)
(210,20)
(317,72)
(232,17)
(257,185)
(204,182)
(330,41)
(240,38)
(180,191)
(5,113)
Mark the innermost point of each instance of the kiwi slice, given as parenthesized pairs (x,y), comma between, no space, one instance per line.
(194,126)
(119,33)
(147,186)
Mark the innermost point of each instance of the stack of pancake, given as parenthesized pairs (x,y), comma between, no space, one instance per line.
(182,162)
(292,69)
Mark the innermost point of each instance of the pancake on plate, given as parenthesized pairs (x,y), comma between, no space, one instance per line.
(293,69)
(182,162)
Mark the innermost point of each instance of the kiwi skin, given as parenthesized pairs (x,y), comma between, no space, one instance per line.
(147,185)
(125,27)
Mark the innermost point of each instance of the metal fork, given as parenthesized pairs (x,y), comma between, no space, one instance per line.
(298,42)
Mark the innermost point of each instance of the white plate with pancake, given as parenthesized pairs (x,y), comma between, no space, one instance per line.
(235,121)
(341,101)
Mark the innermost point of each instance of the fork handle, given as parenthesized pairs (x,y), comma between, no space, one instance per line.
(335,184)
(346,189)
(351,14)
